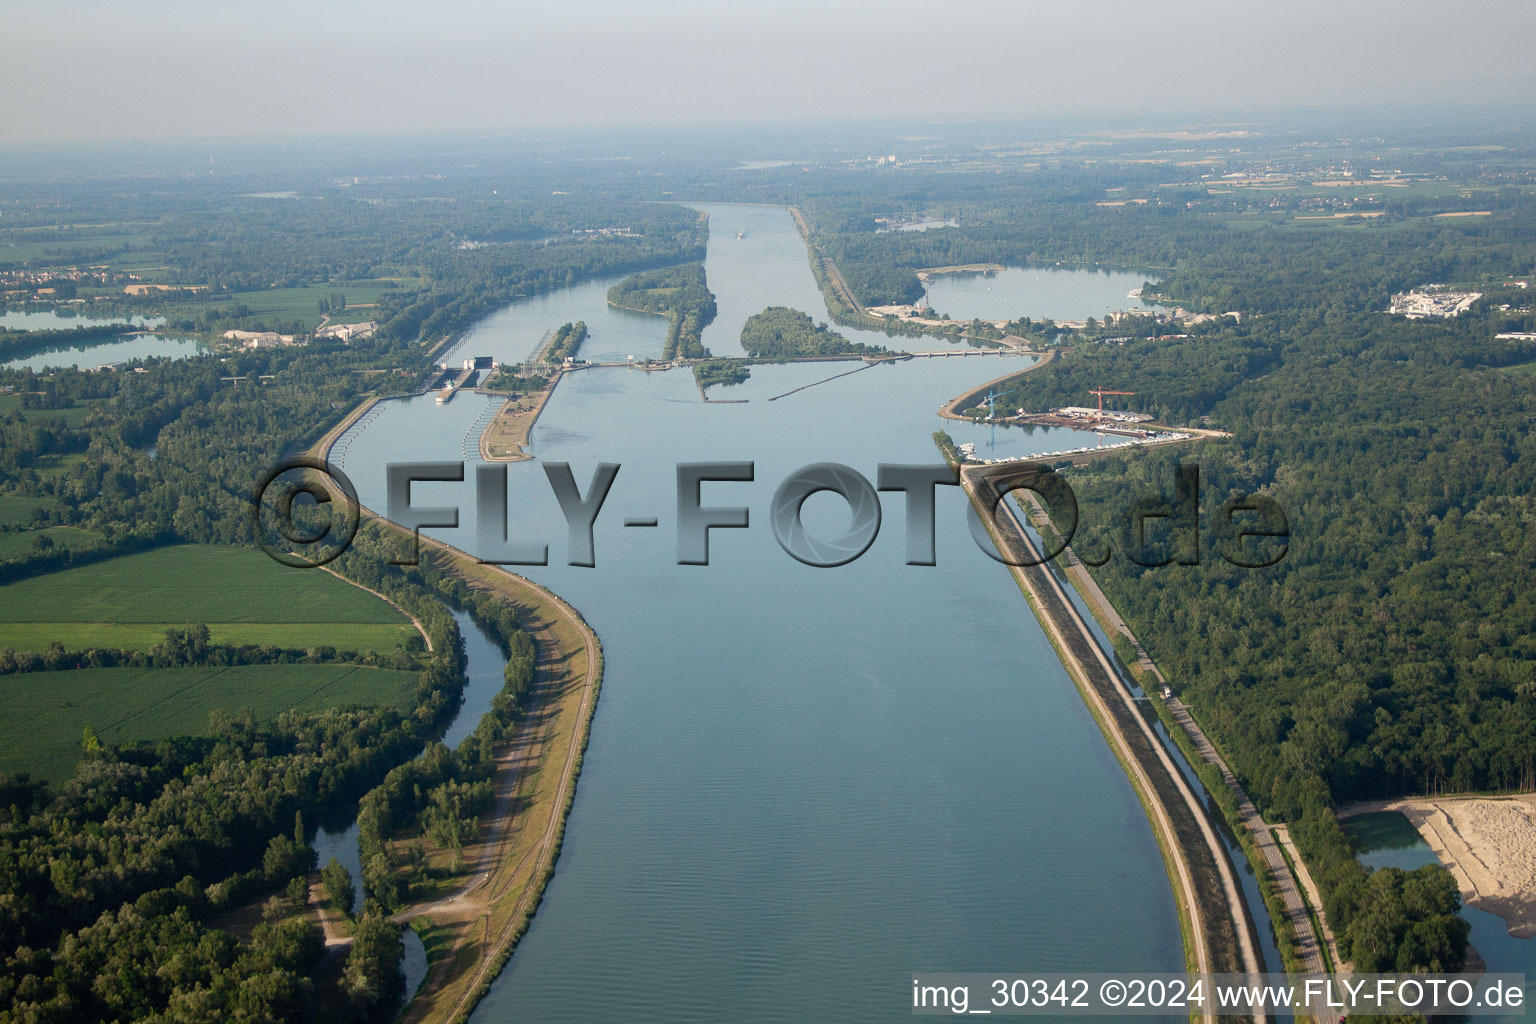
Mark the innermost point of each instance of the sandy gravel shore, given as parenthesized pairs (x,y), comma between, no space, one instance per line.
(1488,843)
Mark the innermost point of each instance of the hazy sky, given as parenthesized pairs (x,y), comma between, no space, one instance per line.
(158,68)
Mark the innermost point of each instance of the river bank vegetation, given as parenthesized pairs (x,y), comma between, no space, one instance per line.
(1395,449)
(678,293)
(566,342)
(779,332)
(15,344)
(1389,652)
(721,372)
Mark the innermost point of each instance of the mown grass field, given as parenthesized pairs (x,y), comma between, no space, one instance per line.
(43,715)
(354,315)
(64,537)
(18,508)
(57,465)
(72,417)
(239,593)
(303,304)
(89,247)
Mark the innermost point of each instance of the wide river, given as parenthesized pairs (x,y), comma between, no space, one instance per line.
(803,784)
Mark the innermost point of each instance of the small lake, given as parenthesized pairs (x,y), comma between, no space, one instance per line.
(1038,292)
(1389,840)
(63,320)
(95,353)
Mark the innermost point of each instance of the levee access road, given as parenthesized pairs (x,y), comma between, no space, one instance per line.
(1219,932)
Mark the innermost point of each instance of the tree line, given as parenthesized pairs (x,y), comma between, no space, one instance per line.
(566,342)
(779,332)
(1390,651)
(681,295)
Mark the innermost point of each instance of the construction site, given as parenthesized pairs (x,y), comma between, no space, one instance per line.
(1079,417)
(1136,427)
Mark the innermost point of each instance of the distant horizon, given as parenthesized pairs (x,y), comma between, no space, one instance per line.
(1352,118)
(170,72)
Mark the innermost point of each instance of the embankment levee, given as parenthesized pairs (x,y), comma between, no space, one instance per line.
(637,309)
(951,410)
(1219,933)
(826,269)
(1307,943)
(479,925)
(1286,890)
(845,308)
(515,424)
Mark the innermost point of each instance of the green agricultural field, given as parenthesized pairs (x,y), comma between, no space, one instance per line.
(90,248)
(43,715)
(241,594)
(354,315)
(148,265)
(344,636)
(304,303)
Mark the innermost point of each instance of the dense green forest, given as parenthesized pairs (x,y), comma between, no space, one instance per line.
(177,833)
(1390,651)
(439,796)
(1197,259)
(722,372)
(779,332)
(678,293)
(436,266)
(507,379)
(468,284)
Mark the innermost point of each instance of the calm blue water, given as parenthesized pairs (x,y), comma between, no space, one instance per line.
(613,335)
(767,266)
(50,320)
(1389,840)
(89,355)
(803,784)
(1060,293)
